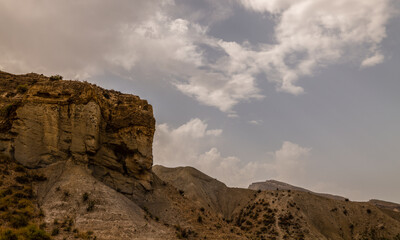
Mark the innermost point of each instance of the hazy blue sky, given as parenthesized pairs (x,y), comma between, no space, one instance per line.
(302,91)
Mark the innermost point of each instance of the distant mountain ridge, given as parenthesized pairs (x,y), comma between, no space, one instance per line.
(271,185)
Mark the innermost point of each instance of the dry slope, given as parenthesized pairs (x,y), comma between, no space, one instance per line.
(286,214)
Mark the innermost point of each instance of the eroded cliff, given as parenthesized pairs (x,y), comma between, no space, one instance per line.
(44,121)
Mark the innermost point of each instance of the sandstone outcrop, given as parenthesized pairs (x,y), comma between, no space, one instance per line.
(44,121)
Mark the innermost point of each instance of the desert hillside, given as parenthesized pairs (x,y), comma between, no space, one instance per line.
(76,163)
(291,214)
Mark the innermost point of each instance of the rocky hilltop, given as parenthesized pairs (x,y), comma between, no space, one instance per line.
(76,162)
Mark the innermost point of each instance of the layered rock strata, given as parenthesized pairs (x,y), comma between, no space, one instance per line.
(43,122)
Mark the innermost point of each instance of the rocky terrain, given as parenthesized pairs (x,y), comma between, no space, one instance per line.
(76,163)
(290,214)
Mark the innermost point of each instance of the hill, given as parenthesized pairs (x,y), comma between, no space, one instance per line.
(205,191)
(289,212)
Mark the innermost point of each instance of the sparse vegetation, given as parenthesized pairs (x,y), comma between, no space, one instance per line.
(56,78)
(55,231)
(22,89)
(30,232)
(85,197)
(18,213)
(106,95)
(66,195)
(345,212)
(90,206)
(183,233)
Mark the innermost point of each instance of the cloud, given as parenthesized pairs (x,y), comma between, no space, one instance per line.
(149,39)
(170,41)
(309,35)
(372,61)
(256,122)
(72,38)
(193,144)
(181,146)
(315,33)
(290,162)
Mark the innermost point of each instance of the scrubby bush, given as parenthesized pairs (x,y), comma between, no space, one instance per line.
(181,192)
(8,235)
(20,168)
(22,88)
(56,78)
(17,208)
(85,196)
(55,231)
(38,177)
(18,221)
(66,195)
(33,233)
(90,206)
(22,179)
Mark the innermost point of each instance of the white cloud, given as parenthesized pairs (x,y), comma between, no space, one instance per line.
(315,33)
(68,37)
(159,40)
(372,61)
(192,144)
(272,6)
(256,122)
(290,162)
(309,34)
(138,39)
(181,146)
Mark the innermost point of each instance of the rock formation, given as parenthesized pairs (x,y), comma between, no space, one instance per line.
(43,122)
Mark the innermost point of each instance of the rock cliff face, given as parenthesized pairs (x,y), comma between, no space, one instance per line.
(43,122)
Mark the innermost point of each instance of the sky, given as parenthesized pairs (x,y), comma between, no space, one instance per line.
(300,91)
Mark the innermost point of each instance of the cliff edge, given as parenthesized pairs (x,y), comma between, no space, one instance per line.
(46,120)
